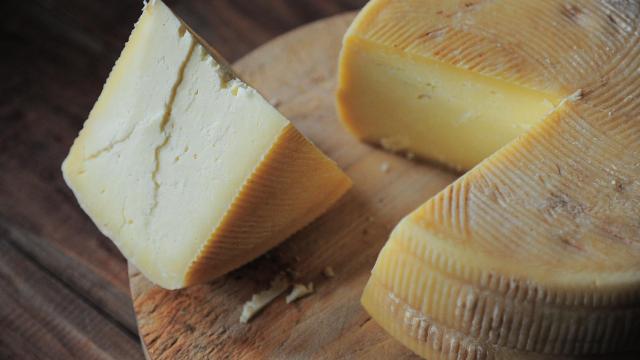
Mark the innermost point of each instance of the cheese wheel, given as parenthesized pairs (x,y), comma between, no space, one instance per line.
(535,252)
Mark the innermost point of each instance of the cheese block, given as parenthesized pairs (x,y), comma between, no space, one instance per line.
(535,252)
(189,170)
(428,77)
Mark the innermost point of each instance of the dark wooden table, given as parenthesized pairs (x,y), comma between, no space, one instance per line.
(63,286)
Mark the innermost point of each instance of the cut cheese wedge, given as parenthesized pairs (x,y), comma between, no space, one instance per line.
(186,168)
(535,252)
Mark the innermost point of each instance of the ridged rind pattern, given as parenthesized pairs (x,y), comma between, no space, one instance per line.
(553,267)
(582,40)
(564,189)
(490,308)
(292,185)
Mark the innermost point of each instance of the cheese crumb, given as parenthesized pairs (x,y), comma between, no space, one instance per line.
(328,272)
(384,167)
(299,291)
(258,301)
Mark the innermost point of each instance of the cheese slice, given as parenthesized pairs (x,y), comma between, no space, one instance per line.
(186,168)
(535,252)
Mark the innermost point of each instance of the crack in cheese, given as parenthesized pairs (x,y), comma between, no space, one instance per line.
(186,168)
(535,252)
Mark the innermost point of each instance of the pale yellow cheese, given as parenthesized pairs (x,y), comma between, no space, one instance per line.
(535,252)
(187,169)
(429,108)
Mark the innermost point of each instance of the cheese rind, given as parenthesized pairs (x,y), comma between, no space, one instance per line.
(562,257)
(534,252)
(190,171)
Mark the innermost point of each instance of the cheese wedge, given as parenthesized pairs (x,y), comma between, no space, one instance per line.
(186,168)
(535,252)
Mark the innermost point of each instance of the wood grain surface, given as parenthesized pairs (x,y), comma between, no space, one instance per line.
(297,73)
(63,286)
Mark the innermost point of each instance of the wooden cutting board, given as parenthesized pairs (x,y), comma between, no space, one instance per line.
(297,73)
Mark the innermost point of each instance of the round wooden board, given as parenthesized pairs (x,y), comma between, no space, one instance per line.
(297,73)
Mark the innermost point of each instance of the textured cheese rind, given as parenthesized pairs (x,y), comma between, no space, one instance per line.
(534,252)
(286,184)
(434,341)
(177,153)
(549,46)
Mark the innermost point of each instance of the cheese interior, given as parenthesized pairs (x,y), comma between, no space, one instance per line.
(167,147)
(430,108)
(218,132)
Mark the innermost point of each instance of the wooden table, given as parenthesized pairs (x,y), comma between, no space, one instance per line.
(63,286)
